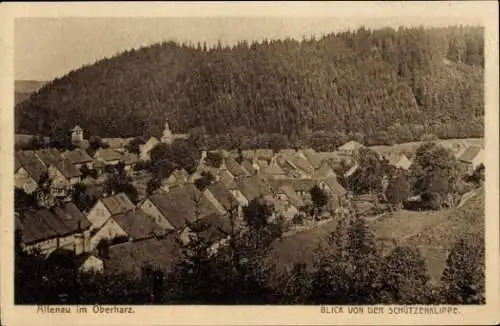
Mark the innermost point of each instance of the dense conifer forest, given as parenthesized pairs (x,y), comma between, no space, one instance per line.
(377,86)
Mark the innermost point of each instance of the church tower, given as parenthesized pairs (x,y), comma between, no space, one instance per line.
(167,136)
(76,134)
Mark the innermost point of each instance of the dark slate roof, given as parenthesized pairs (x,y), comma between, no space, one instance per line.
(179,205)
(469,154)
(77,156)
(49,156)
(253,187)
(32,164)
(137,224)
(118,204)
(292,196)
(214,227)
(336,187)
(68,169)
(313,157)
(130,257)
(235,169)
(45,224)
(108,154)
(227,179)
(248,166)
(222,194)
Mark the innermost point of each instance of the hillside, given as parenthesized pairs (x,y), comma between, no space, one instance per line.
(24,88)
(434,233)
(405,82)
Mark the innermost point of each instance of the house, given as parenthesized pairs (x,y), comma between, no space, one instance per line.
(79,158)
(235,169)
(302,187)
(117,144)
(264,154)
(253,187)
(145,148)
(133,257)
(334,190)
(471,158)
(28,171)
(107,156)
(49,156)
(214,229)
(248,154)
(89,263)
(64,171)
(399,161)
(286,201)
(168,137)
(313,157)
(227,179)
(131,225)
(349,148)
(49,229)
(24,141)
(108,207)
(177,177)
(249,167)
(130,160)
(222,195)
(76,135)
(194,176)
(172,209)
(324,171)
(303,164)
(274,171)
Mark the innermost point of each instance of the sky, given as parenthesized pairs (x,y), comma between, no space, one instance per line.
(46,48)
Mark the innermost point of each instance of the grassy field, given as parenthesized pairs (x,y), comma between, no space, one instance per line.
(433,233)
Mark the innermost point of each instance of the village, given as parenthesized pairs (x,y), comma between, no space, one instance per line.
(150,230)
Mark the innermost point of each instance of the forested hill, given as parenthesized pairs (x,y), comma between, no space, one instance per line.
(369,83)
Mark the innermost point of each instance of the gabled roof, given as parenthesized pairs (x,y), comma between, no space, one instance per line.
(296,184)
(77,156)
(77,127)
(108,154)
(214,227)
(324,171)
(248,166)
(287,152)
(313,157)
(137,224)
(399,161)
(303,164)
(32,164)
(49,156)
(130,257)
(470,154)
(335,186)
(248,154)
(72,217)
(235,169)
(118,204)
(117,143)
(181,174)
(180,204)
(292,196)
(264,154)
(351,146)
(274,169)
(222,194)
(130,158)
(68,169)
(253,187)
(351,171)
(227,180)
(48,223)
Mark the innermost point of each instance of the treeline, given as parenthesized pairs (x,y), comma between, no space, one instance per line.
(349,269)
(379,86)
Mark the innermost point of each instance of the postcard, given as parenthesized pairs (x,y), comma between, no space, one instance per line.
(249,163)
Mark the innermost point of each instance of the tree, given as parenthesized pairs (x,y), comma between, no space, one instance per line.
(153,184)
(477,176)
(463,279)
(434,171)
(214,159)
(398,190)
(117,183)
(319,198)
(295,285)
(80,197)
(257,214)
(347,271)
(206,179)
(369,174)
(133,145)
(404,277)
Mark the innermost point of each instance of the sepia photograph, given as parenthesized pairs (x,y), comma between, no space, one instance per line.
(260,160)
